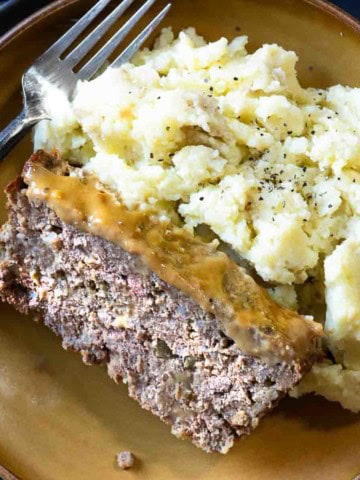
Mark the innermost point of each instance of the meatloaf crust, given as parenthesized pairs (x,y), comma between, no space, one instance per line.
(106,305)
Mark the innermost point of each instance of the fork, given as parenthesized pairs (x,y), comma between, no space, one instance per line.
(50,68)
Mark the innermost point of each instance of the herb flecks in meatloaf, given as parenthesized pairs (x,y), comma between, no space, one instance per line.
(103,302)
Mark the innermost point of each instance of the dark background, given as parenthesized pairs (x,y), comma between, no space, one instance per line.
(12,11)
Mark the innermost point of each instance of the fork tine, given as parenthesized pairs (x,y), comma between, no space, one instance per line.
(99,58)
(85,46)
(134,46)
(66,40)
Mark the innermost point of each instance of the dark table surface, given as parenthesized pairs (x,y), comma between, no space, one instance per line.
(12,11)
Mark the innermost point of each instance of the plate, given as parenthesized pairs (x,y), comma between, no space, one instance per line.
(60,419)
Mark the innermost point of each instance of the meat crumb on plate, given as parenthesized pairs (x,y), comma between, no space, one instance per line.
(125,460)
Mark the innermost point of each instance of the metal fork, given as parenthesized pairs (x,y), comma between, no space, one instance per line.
(53,69)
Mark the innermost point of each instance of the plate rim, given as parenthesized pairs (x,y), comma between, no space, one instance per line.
(322,5)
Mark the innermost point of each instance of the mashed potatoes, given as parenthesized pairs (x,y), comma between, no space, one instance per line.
(208,134)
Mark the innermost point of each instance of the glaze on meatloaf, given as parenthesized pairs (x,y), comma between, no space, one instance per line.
(107,305)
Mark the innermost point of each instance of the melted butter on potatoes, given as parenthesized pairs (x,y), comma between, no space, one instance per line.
(210,135)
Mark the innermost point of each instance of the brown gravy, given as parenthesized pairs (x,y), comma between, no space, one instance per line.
(257,324)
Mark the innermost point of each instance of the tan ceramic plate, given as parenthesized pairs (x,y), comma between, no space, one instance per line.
(62,420)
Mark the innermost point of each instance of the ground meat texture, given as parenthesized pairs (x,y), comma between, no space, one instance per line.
(125,460)
(106,305)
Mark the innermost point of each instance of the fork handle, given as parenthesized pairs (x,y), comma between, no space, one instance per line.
(14,132)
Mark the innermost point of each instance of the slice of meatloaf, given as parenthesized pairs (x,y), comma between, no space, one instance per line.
(104,303)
